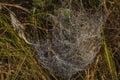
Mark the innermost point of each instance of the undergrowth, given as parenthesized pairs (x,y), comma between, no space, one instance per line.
(18,60)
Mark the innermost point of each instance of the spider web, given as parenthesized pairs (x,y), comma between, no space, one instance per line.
(74,43)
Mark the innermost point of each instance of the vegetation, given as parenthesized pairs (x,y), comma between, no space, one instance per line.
(18,59)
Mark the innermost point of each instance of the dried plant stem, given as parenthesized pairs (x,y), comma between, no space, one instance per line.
(16,6)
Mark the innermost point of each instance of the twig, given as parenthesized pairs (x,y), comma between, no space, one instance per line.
(16,6)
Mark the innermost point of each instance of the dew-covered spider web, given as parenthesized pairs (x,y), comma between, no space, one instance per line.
(73,42)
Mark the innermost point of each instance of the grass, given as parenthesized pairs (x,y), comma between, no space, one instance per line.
(107,54)
(17,59)
(18,62)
